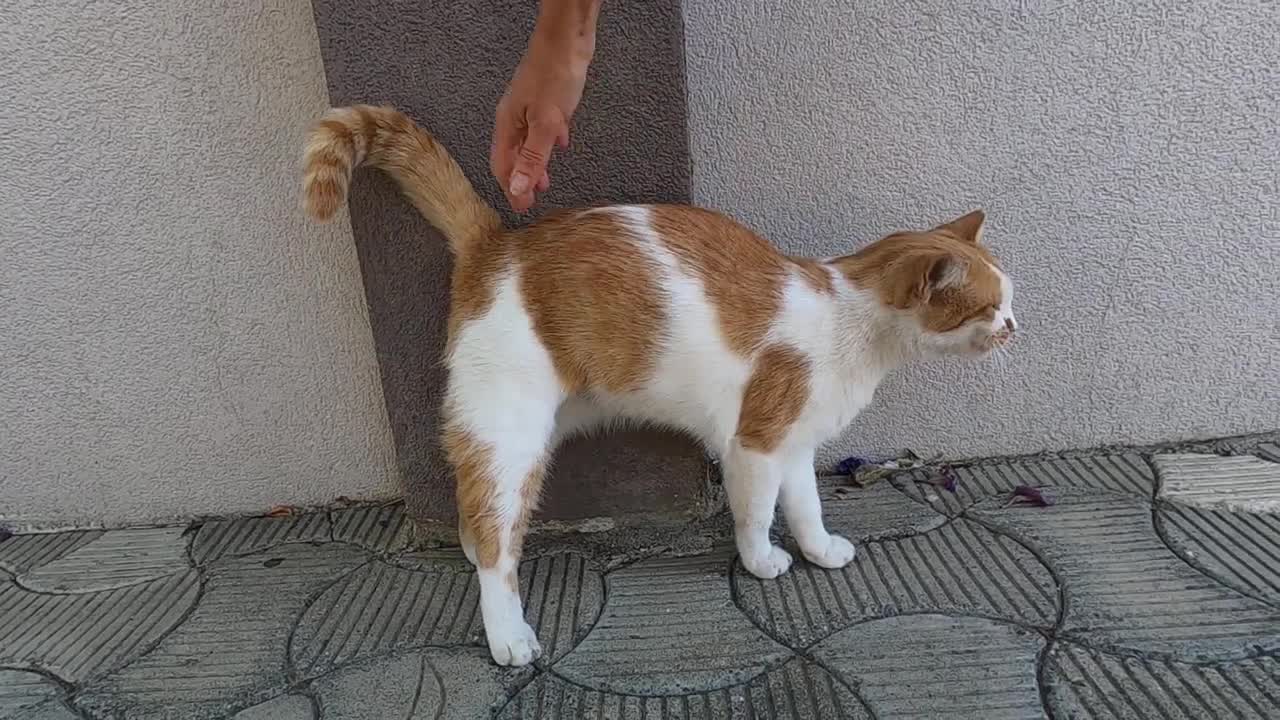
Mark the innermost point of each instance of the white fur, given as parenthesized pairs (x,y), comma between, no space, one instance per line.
(504,391)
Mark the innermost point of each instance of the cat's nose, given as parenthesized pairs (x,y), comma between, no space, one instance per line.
(1009,324)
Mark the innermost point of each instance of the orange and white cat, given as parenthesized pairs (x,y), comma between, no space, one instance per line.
(662,314)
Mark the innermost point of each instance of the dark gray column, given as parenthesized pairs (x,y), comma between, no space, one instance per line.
(446,63)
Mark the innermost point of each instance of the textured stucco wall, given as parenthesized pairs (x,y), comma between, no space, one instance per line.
(1126,154)
(175,338)
(446,63)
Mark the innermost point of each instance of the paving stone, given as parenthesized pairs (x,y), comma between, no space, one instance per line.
(384,607)
(1244,483)
(871,513)
(21,690)
(960,568)
(113,559)
(77,636)
(243,536)
(231,651)
(48,710)
(1126,589)
(1125,473)
(22,553)
(932,666)
(796,690)
(669,626)
(380,528)
(1239,549)
(282,707)
(446,684)
(1085,683)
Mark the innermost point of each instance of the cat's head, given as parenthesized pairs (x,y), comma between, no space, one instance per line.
(946,289)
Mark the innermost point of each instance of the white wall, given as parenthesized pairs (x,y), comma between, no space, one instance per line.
(1128,155)
(175,338)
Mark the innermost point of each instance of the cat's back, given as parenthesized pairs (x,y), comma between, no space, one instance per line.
(610,291)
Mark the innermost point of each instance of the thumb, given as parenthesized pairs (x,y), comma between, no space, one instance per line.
(545,130)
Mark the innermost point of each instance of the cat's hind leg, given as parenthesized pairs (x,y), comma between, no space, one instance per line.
(499,476)
(499,420)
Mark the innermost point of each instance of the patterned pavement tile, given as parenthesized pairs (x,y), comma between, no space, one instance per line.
(114,559)
(231,651)
(435,602)
(77,636)
(795,690)
(49,710)
(1164,611)
(669,626)
(960,568)
(1241,550)
(933,666)
(1244,483)
(281,707)
(1124,473)
(1085,683)
(871,513)
(435,684)
(221,538)
(380,528)
(21,690)
(1126,589)
(21,553)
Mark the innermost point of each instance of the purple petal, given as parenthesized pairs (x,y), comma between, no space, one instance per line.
(851,464)
(949,478)
(1032,495)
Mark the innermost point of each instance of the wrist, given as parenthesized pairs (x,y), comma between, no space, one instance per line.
(565,33)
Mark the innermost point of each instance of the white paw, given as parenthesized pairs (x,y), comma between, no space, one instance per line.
(837,553)
(514,645)
(769,564)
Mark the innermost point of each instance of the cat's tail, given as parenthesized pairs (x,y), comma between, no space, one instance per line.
(346,138)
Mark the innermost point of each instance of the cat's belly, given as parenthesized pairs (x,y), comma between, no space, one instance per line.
(710,420)
(703,404)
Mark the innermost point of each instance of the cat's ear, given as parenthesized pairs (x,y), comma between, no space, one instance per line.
(947,271)
(967,227)
(934,272)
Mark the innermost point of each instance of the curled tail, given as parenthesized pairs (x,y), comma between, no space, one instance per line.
(346,138)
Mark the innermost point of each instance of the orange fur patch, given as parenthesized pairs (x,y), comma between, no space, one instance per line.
(594,298)
(816,275)
(477,513)
(774,396)
(474,280)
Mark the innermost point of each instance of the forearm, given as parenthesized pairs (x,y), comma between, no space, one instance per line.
(567,28)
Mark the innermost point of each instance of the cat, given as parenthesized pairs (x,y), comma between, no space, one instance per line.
(664,314)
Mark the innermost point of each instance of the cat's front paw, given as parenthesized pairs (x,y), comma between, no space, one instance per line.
(515,645)
(769,564)
(837,553)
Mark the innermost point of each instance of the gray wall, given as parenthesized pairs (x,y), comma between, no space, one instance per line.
(175,338)
(1127,156)
(446,63)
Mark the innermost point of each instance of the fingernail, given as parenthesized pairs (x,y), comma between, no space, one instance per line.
(519,183)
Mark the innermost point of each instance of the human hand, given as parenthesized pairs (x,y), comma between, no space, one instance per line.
(533,116)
